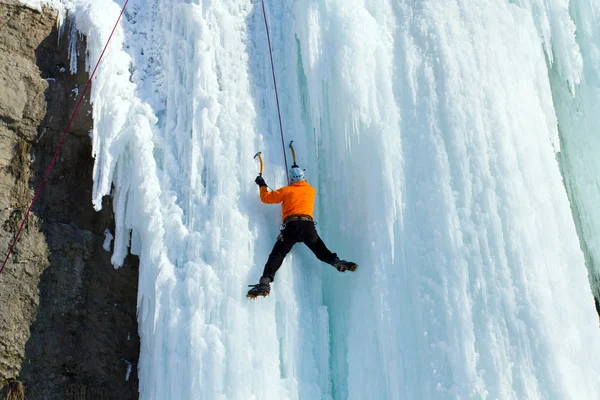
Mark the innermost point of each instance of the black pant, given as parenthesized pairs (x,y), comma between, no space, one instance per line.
(296,231)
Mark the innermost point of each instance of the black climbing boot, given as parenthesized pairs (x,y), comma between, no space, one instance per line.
(262,289)
(343,266)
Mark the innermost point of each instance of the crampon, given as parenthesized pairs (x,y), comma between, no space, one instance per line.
(344,266)
(255,292)
(261,289)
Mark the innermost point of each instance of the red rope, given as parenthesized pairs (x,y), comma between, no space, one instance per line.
(276,94)
(60,143)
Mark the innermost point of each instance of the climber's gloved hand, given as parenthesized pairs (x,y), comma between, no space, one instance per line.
(260,181)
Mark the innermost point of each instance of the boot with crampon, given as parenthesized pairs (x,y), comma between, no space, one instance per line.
(262,289)
(343,266)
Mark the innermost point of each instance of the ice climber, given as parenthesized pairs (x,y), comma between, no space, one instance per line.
(298,202)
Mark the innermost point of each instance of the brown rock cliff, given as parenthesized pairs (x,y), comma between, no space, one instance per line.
(68,326)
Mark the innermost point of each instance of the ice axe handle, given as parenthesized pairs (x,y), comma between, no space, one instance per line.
(261,162)
(293,152)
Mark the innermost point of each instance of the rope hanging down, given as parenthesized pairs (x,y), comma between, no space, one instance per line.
(60,143)
(276,94)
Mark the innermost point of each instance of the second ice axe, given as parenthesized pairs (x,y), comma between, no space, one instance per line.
(293,155)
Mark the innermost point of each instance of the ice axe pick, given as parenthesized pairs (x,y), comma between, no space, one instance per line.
(261,162)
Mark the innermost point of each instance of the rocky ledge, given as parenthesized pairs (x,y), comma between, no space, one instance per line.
(68,326)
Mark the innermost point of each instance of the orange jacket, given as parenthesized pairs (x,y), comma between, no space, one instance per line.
(297,198)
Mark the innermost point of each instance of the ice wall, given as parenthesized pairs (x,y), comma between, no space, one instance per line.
(460,203)
(577,112)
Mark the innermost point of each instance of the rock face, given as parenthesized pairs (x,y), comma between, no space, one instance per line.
(68,326)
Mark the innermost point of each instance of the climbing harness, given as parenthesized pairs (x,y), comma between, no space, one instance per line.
(295,217)
(60,143)
(298,217)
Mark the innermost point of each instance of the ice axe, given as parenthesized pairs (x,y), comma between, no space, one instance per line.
(261,162)
(293,155)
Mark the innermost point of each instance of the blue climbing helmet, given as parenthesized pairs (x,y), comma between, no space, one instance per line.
(296,174)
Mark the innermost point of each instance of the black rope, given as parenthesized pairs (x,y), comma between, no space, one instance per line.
(276,94)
